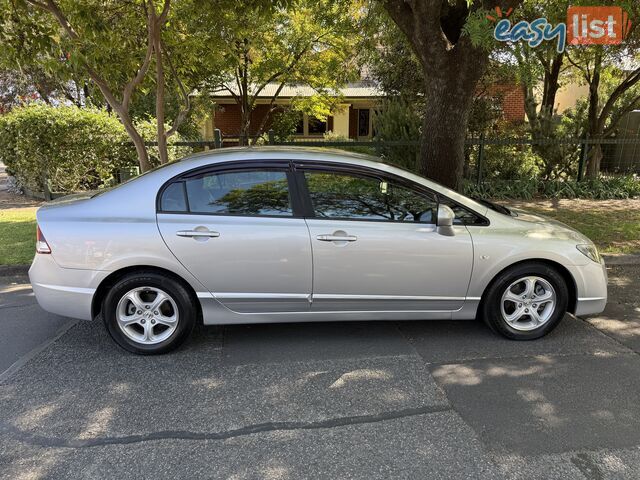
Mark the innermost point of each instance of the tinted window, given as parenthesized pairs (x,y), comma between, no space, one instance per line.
(246,192)
(463,216)
(173,198)
(337,195)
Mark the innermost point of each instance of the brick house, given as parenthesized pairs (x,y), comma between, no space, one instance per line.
(352,118)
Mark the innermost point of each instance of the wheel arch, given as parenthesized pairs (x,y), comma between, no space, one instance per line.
(561,269)
(114,277)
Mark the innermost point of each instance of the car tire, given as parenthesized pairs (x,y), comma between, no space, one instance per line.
(148,313)
(526,301)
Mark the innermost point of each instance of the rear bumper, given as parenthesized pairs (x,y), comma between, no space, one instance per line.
(63,291)
(591,288)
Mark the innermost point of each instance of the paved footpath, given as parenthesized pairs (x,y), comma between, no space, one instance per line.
(328,401)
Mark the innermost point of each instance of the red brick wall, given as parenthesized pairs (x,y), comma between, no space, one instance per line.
(512,97)
(227,119)
(513,105)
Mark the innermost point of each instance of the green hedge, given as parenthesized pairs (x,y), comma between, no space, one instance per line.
(76,148)
(603,188)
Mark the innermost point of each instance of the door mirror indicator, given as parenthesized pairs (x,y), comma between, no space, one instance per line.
(445,221)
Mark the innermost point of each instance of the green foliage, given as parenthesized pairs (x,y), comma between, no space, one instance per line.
(390,58)
(398,120)
(308,43)
(284,124)
(148,129)
(510,162)
(480,29)
(75,148)
(602,188)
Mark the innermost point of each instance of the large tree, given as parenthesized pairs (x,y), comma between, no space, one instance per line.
(452,65)
(125,50)
(613,78)
(309,42)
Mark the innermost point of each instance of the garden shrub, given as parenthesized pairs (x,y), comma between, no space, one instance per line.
(397,119)
(510,162)
(75,148)
(603,188)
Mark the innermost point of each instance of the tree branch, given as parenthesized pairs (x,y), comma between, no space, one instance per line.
(182,114)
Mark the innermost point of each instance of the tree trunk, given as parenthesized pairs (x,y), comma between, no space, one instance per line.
(595,155)
(594,160)
(443,130)
(163,154)
(138,141)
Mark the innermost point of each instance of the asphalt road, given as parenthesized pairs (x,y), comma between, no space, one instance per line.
(332,401)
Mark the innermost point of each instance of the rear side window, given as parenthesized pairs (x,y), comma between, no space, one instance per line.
(174,198)
(242,192)
(354,197)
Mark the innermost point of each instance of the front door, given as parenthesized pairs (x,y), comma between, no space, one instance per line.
(236,232)
(376,247)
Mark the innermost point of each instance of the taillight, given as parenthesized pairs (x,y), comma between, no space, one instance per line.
(41,243)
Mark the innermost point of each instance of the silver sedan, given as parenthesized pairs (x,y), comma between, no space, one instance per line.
(263,235)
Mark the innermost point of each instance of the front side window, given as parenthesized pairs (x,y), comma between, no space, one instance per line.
(243,192)
(462,215)
(355,197)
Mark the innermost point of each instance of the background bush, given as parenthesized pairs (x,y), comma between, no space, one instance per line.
(398,119)
(75,148)
(602,188)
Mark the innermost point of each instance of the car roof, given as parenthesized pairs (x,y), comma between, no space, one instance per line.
(316,154)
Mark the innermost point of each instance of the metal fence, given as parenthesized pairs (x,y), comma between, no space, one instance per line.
(486,157)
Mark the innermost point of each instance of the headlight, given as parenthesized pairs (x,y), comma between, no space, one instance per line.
(590,251)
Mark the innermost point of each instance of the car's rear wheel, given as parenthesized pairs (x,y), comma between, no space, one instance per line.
(148,313)
(526,302)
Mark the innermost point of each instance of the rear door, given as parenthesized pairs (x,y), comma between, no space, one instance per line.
(237,230)
(376,246)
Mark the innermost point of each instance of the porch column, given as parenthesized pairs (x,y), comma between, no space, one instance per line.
(341,120)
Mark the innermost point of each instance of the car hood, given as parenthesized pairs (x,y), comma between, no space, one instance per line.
(544,227)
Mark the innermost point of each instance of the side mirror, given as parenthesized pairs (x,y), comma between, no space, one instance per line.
(445,221)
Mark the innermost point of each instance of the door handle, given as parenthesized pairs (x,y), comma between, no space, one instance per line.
(197,233)
(337,238)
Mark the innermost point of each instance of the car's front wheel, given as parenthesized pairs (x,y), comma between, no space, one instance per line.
(147,313)
(526,302)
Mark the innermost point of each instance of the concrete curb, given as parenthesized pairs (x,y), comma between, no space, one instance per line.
(11,270)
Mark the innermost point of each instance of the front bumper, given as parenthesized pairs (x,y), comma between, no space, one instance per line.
(64,291)
(591,288)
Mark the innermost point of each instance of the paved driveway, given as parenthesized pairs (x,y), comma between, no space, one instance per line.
(342,400)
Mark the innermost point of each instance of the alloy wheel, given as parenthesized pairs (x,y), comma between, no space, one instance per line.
(147,315)
(528,303)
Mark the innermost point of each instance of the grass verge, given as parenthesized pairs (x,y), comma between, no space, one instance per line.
(17,235)
(613,225)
